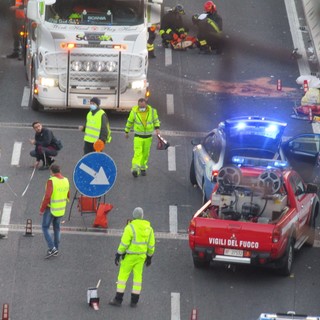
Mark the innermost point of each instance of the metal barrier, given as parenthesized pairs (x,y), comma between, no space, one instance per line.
(312,13)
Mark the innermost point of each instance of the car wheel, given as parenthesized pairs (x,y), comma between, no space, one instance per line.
(33,102)
(193,179)
(287,260)
(200,264)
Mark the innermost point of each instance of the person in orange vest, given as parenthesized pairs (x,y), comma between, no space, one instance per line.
(17,19)
(150,43)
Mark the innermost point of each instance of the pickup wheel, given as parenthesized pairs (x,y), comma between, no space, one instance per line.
(287,260)
(33,102)
(193,179)
(200,264)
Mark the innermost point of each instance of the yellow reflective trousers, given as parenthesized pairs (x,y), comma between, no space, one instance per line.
(141,152)
(131,263)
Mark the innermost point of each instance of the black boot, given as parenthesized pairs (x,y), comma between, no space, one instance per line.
(151,55)
(134,300)
(117,300)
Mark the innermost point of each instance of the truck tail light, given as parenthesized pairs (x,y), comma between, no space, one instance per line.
(276,235)
(192,228)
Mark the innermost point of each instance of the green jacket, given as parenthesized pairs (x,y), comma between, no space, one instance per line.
(137,238)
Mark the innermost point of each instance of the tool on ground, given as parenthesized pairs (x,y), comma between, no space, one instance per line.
(32,174)
(92,296)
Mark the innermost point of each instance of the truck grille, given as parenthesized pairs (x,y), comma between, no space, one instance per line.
(98,71)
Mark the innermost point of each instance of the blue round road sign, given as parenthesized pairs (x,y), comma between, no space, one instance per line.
(95,174)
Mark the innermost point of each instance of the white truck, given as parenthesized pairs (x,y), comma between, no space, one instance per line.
(77,49)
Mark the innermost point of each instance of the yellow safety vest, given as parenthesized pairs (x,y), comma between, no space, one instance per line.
(137,238)
(93,127)
(140,128)
(59,197)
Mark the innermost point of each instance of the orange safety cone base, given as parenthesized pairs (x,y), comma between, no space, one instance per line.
(101,219)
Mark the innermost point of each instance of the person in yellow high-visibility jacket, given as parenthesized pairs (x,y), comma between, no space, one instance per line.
(144,120)
(53,208)
(136,248)
(97,126)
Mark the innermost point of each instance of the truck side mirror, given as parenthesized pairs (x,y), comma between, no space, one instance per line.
(312,188)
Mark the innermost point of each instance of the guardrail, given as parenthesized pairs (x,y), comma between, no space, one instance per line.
(312,13)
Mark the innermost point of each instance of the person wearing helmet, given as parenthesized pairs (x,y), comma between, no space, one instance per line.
(172,25)
(209,26)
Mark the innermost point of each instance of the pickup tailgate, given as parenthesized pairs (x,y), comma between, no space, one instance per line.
(225,239)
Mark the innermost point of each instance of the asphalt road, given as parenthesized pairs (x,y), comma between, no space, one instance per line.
(204,90)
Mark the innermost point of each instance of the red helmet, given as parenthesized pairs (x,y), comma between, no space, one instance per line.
(209,6)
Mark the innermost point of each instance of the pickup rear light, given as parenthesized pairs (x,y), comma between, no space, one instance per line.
(276,235)
(192,228)
(214,175)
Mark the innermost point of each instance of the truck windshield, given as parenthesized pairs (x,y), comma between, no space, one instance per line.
(98,12)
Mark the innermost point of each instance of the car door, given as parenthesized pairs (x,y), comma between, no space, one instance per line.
(205,157)
(302,153)
(302,202)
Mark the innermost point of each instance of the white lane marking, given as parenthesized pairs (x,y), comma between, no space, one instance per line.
(5,218)
(25,98)
(170,105)
(173,219)
(97,232)
(16,153)
(172,159)
(175,306)
(296,34)
(316,127)
(316,243)
(168,57)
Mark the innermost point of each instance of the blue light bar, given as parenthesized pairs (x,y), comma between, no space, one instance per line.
(257,162)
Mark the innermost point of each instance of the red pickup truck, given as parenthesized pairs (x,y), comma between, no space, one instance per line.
(257,215)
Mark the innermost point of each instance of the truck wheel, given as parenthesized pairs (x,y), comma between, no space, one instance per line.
(193,179)
(287,260)
(200,264)
(33,102)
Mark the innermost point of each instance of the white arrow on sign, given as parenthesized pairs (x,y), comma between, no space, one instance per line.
(99,177)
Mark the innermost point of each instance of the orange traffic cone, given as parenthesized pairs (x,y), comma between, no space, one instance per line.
(101,219)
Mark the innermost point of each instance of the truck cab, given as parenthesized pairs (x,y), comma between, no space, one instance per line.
(80,48)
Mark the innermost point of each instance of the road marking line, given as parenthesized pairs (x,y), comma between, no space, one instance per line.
(170,105)
(173,219)
(168,57)
(175,306)
(25,98)
(16,153)
(96,231)
(5,218)
(172,159)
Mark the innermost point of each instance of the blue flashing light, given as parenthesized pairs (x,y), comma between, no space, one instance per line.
(272,128)
(241,125)
(238,160)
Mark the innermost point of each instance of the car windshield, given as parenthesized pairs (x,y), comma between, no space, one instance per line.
(99,12)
